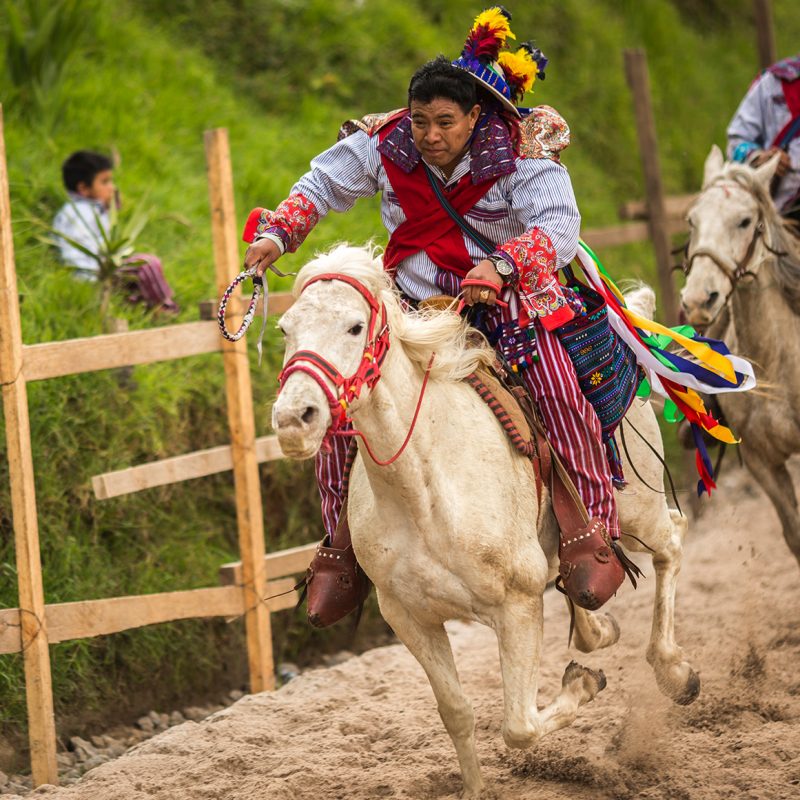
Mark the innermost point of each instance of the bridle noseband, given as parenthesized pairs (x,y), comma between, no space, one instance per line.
(740,269)
(345,389)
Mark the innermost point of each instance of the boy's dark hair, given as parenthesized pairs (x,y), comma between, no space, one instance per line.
(82,166)
(440,79)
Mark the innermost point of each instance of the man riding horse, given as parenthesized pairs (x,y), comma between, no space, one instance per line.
(477,203)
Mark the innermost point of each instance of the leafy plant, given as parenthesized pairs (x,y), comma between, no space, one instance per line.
(41,39)
(115,244)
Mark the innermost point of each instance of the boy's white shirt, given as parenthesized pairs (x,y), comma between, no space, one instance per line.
(78,220)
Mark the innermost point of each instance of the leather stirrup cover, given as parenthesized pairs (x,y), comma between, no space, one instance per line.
(589,570)
(336,583)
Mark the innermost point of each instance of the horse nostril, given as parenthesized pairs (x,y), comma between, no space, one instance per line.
(310,414)
(712,298)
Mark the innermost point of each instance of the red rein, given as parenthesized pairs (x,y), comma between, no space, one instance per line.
(346,390)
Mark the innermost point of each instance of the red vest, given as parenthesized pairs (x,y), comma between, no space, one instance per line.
(428,226)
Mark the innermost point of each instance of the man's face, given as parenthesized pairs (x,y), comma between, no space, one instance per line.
(101,189)
(441,130)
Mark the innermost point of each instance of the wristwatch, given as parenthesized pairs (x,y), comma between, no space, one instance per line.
(504,269)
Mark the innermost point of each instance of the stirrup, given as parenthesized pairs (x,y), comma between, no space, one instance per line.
(592,567)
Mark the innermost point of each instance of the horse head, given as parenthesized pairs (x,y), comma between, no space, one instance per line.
(727,223)
(333,346)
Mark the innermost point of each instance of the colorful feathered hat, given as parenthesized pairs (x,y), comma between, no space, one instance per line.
(507,75)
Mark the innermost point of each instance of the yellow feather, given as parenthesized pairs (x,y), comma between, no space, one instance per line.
(520,64)
(497,22)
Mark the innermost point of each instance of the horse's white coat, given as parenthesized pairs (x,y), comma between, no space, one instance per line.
(758,319)
(453,529)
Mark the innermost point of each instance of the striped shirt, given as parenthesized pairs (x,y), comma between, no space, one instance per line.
(538,195)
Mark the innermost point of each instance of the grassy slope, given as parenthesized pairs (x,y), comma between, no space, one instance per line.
(143,85)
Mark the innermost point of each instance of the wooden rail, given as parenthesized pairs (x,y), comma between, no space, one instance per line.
(73,356)
(199,464)
(89,618)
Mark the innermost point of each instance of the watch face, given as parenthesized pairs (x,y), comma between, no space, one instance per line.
(503,267)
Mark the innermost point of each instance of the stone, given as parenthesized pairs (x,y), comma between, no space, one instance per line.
(64,760)
(163,721)
(146,724)
(287,671)
(98,741)
(115,748)
(235,694)
(96,761)
(176,718)
(82,748)
(195,713)
(3,780)
(155,716)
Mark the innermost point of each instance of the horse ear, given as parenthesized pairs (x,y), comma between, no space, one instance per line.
(713,166)
(766,172)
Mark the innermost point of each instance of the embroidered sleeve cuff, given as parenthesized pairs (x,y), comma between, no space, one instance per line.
(291,222)
(540,292)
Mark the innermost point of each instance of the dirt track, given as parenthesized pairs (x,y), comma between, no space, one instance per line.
(369,729)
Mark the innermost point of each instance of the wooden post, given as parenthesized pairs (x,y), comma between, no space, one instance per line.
(639,82)
(249,512)
(33,631)
(765,32)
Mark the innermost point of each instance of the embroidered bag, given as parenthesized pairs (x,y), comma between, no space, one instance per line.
(608,373)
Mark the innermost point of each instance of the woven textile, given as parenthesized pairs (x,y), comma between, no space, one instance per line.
(606,367)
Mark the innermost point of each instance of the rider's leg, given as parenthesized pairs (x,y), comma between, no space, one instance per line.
(330,474)
(573,427)
(336,583)
(589,567)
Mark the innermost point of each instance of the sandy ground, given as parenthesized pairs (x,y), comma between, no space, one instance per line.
(369,729)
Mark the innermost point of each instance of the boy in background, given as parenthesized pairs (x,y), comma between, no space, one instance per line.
(89,181)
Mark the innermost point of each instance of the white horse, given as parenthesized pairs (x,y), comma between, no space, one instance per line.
(452,528)
(743,285)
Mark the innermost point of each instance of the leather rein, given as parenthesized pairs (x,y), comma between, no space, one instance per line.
(347,389)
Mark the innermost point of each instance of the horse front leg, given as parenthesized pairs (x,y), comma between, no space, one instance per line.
(777,483)
(430,645)
(675,676)
(519,628)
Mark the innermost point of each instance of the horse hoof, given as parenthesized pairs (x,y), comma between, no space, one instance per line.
(594,681)
(690,691)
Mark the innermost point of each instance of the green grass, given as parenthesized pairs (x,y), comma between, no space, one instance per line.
(146,82)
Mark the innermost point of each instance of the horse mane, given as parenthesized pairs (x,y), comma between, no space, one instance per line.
(779,236)
(459,348)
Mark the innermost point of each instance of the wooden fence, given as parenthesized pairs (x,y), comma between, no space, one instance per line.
(245,585)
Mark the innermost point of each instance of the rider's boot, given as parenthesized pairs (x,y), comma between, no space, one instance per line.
(592,566)
(335,582)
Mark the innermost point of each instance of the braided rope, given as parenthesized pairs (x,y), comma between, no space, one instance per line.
(258,285)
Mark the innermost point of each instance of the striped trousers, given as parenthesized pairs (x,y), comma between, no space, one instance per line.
(572,425)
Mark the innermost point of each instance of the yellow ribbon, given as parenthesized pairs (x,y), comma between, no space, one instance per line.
(702,352)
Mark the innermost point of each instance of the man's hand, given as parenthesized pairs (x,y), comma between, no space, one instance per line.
(762,156)
(485,271)
(261,255)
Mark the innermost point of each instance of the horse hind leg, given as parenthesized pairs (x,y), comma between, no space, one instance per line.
(675,676)
(430,645)
(519,629)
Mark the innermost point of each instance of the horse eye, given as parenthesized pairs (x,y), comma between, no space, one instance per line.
(356,329)
(690,222)
(282,330)
(745,223)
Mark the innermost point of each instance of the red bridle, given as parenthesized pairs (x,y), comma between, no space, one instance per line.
(346,390)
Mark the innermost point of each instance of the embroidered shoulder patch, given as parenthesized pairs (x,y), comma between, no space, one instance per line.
(544,133)
(370,124)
